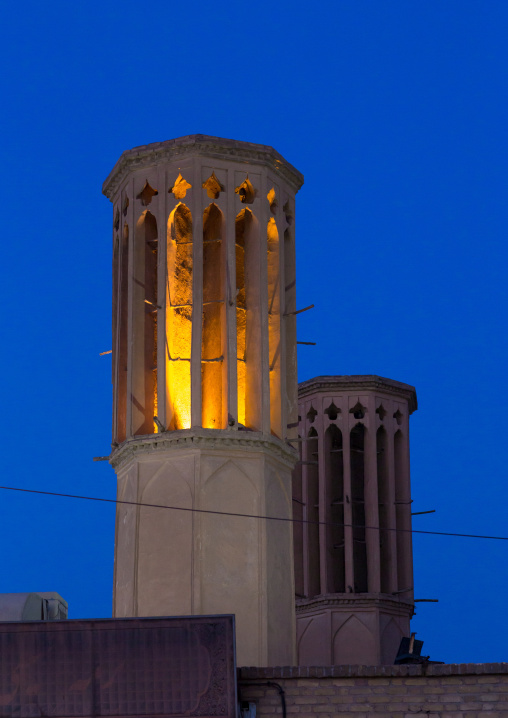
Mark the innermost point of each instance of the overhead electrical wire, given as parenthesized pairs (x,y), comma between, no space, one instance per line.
(248,516)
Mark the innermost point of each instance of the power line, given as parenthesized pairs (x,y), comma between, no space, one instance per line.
(249,516)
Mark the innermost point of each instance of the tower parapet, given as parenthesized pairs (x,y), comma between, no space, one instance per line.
(353,552)
(205,385)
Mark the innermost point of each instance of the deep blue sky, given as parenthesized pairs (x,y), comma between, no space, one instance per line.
(396,112)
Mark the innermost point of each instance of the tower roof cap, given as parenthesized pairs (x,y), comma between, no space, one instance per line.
(367,382)
(205,145)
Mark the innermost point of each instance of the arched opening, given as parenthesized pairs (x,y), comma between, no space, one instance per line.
(246,191)
(289,326)
(357,450)
(213,186)
(121,359)
(384,509)
(272,200)
(144,385)
(213,321)
(313,557)
(332,412)
(298,510)
(248,318)
(180,187)
(402,513)
(179,318)
(334,476)
(273,262)
(311,414)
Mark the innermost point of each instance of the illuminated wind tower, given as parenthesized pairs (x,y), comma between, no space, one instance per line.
(205,385)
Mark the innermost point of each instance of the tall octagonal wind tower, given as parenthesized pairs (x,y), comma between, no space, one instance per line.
(205,386)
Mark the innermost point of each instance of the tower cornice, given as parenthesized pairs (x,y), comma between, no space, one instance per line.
(359,381)
(356,601)
(220,148)
(203,439)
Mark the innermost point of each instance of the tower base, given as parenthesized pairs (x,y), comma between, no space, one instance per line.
(351,629)
(206,555)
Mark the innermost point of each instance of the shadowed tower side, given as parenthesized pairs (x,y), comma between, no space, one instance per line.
(353,561)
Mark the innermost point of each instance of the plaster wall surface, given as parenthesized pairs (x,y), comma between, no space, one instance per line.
(188,560)
(473,690)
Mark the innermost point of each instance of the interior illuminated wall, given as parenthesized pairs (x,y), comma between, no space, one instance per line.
(179,317)
(213,320)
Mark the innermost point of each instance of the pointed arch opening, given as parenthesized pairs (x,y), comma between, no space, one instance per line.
(248,319)
(313,543)
(274,346)
(213,321)
(311,414)
(384,509)
(334,477)
(332,412)
(357,452)
(179,318)
(144,385)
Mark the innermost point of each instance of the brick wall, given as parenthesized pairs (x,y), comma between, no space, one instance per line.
(472,690)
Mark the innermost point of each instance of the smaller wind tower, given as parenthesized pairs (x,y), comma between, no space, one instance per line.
(353,553)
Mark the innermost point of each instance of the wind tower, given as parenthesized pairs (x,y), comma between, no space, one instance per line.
(205,386)
(353,553)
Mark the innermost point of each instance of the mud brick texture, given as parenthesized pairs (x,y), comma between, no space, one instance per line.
(467,690)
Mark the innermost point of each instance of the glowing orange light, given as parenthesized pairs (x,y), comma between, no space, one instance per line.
(179,317)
